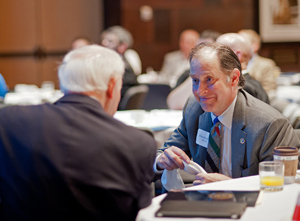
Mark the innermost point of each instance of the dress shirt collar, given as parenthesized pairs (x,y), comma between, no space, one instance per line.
(226,117)
(245,71)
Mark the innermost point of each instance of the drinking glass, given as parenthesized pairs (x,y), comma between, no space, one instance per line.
(271,174)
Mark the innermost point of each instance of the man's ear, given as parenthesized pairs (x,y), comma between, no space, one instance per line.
(239,54)
(110,87)
(235,76)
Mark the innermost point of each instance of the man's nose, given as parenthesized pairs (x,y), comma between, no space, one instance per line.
(105,42)
(202,89)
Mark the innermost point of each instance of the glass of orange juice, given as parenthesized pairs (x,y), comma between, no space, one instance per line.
(271,174)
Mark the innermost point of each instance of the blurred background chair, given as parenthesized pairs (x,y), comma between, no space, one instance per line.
(280,104)
(157,96)
(295,118)
(134,97)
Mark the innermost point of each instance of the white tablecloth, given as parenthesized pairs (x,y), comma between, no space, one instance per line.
(156,119)
(161,122)
(275,206)
(31,95)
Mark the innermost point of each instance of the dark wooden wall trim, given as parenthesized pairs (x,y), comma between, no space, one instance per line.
(285,54)
(112,13)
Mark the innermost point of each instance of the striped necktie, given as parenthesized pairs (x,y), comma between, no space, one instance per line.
(212,161)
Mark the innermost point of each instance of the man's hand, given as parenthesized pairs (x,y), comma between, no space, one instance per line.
(202,178)
(172,158)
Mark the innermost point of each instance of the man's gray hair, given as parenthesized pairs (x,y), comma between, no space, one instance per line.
(122,34)
(89,68)
(227,58)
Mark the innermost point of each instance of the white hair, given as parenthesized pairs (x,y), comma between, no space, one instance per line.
(89,68)
(123,35)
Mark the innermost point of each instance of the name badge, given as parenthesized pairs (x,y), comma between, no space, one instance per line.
(202,138)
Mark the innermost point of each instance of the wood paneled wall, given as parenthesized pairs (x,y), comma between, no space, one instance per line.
(154,38)
(35,34)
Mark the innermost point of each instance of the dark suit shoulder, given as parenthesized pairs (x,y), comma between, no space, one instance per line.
(16,112)
(255,88)
(192,104)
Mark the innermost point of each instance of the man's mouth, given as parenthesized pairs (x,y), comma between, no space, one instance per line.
(205,98)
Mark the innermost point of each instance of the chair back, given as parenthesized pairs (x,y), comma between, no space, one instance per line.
(157,97)
(134,97)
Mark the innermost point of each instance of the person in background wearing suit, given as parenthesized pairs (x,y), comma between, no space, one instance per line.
(242,48)
(180,93)
(176,62)
(72,160)
(261,69)
(119,39)
(247,128)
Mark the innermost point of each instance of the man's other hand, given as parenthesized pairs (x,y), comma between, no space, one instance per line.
(202,178)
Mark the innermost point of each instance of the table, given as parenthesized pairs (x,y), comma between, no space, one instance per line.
(290,93)
(161,122)
(31,95)
(274,206)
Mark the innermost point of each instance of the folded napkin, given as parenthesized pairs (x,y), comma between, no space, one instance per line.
(171,179)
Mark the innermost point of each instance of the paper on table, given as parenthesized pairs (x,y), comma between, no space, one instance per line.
(251,183)
(172,179)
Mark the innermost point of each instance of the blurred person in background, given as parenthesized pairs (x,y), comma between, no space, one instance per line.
(242,48)
(208,36)
(80,42)
(176,62)
(3,88)
(120,40)
(261,69)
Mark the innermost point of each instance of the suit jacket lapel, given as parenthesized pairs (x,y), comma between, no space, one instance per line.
(205,122)
(238,136)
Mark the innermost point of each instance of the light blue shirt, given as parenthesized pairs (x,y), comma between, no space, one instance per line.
(3,87)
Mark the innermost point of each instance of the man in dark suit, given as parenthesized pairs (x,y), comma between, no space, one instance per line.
(72,160)
(248,129)
(119,39)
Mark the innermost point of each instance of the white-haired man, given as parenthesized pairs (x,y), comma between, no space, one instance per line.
(72,160)
(242,48)
(261,69)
